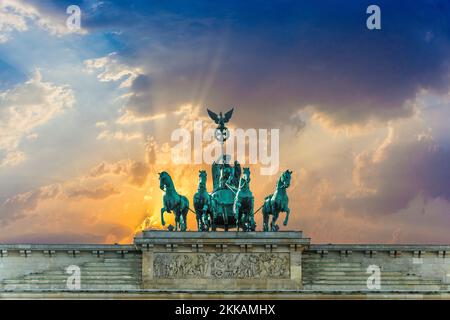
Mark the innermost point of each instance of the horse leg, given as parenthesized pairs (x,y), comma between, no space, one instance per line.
(205,223)
(237,213)
(183,221)
(239,221)
(180,223)
(247,218)
(208,221)
(205,219)
(285,222)
(252,215)
(199,222)
(180,220)
(242,221)
(201,226)
(266,216)
(163,209)
(177,221)
(273,224)
(184,212)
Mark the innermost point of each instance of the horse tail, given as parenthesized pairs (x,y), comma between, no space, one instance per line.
(185,204)
(266,207)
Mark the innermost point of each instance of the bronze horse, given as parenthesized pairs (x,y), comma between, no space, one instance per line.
(276,203)
(244,204)
(172,201)
(202,204)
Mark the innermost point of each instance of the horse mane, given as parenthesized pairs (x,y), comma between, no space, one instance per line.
(167,175)
(280,179)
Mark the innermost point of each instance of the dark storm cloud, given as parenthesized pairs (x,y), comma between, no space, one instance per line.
(140,102)
(409,169)
(282,55)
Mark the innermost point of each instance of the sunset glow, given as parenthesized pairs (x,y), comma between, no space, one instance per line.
(86,117)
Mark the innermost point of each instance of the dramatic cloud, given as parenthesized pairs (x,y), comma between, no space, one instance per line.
(135,171)
(19,16)
(140,102)
(99,193)
(390,177)
(17,206)
(110,69)
(26,107)
(119,135)
(221,56)
(362,113)
(93,205)
(10,20)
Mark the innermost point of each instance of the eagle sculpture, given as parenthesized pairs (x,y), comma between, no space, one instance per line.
(220,119)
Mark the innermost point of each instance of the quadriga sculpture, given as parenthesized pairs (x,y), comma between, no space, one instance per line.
(172,201)
(276,203)
(230,203)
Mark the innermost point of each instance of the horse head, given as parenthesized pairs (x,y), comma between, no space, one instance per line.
(202,175)
(245,179)
(164,180)
(286,178)
(246,175)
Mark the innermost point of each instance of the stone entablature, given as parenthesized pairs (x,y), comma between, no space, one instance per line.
(51,250)
(272,262)
(218,260)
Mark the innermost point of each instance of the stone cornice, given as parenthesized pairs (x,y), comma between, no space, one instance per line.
(378,247)
(67,247)
(196,239)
